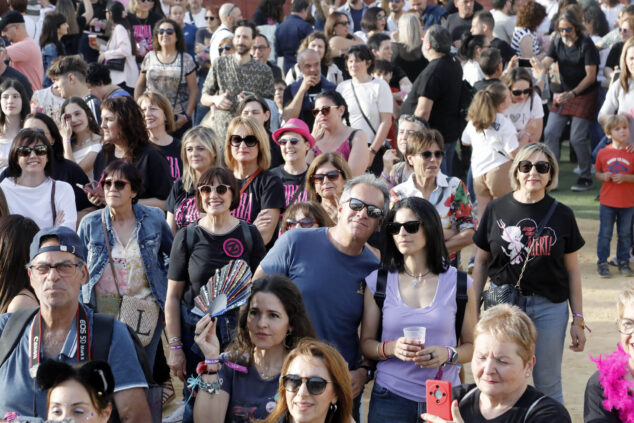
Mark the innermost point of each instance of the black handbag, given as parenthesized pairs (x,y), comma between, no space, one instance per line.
(507,293)
(116,64)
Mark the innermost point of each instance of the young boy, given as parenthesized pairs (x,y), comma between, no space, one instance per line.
(615,168)
(384,70)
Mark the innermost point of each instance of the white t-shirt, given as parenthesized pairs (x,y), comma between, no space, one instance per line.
(520,113)
(472,72)
(489,146)
(35,202)
(375,98)
(197,19)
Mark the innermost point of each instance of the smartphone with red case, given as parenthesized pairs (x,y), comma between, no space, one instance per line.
(438,395)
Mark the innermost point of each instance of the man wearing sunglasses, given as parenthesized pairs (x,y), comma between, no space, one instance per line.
(329,266)
(229,15)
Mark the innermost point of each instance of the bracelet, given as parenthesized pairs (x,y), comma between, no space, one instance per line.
(203,368)
(373,151)
(212,361)
(577,315)
(174,340)
(383,354)
(176,347)
(210,387)
(67,141)
(448,356)
(378,350)
(574,94)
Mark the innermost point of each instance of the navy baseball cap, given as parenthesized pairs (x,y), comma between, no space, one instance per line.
(68,242)
(10,17)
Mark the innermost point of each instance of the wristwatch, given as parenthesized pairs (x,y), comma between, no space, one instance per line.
(453,357)
(370,372)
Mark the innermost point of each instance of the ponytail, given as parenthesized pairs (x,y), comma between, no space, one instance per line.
(484,107)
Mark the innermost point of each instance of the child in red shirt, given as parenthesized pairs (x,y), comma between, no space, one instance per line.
(615,168)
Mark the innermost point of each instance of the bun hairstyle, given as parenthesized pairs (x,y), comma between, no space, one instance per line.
(95,376)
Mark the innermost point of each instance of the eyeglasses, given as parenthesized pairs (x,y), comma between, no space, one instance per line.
(40,150)
(306,222)
(357,205)
(518,93)
(566,30)
(394,228)
(210,18)
(228,47)
(625,326)
(379,17)
(293,141)
(64,268)
(168,31)
(344,23)
(333,175)
(324,111)
(315,385)
(221,189)
(249,140)
(118,184)
(525,166)
(438,154)
(257,48)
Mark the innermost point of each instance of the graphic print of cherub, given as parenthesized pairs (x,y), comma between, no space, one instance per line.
(513,235)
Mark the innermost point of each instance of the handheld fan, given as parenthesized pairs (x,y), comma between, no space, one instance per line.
(229,288)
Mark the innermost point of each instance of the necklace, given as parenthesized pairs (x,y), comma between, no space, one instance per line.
(418,278)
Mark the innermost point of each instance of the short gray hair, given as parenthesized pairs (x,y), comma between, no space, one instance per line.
(524,153)
(302,54)
(371,180)
(439,38)
(420,122)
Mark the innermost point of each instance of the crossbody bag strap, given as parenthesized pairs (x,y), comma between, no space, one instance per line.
(248,182)
(361,108)
(105,235)
(178,87)
(53,208)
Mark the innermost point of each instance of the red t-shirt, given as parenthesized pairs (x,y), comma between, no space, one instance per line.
(615,161)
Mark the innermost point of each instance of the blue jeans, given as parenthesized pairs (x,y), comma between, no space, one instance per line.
(604,142)
(447,163)
(387,407)
(623,218)
(551,321)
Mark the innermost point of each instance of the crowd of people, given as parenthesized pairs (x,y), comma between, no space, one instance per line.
(361,160)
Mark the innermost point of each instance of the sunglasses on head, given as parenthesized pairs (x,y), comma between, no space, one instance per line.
(207,189)
(438,154)
(324,111)
(525,166)
(306,222)
(293,141)
(40,150)
(315,385)
(357,205)
(518,93)
(168,31)
(566,30)
(394,228)
(118,184)
(249,140)
(228,47)
(333,175)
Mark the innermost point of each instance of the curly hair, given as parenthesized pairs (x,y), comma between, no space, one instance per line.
(530,16)
(131,126)
(178,31)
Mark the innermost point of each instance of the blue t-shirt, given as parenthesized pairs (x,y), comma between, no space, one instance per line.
(189,32)
(16,384)
(332,284)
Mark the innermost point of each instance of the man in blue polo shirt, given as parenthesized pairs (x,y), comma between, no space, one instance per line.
(62,330)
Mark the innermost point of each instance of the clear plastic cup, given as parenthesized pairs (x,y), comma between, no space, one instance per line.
(416,332)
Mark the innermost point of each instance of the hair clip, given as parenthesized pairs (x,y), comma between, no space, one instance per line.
(103,379)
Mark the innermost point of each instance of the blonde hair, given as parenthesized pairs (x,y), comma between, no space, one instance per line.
(410,31)
(484,107)
(625,298)
(524,153)
(253,127)
(625,76)
(207,137)
(161,101)
(615,121)
(507,323)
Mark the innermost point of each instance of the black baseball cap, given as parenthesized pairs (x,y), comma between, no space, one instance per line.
(10,17)
(68,239)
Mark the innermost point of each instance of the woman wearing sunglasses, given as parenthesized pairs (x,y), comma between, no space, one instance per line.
(305,215)
(449,195)
(261,195)
(420,291)
(130,245)
(168,69)
(271,324)
(551,280)
(525,111)
(325,179)
(333,135)
(200,249)
(28,185)
(314,387)
(200,151)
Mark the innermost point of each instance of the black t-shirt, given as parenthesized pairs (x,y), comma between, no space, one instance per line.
(614,56)
(182,204)
(264,192)
(277,72)
(572,60)
(292,183)
(456,25)
(154,168)
(484,83)
(210,252)
(69,171)
(412,62)
(507,228)
(440,82)
(13,73)
(172,153)
(593,410)
(276,153)
(142,30)
(397,75)
(547,410)
(506,51)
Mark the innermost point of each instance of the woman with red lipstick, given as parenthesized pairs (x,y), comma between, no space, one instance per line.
(550,281)
(271,324)
(502,364)
(325,179)
(81,134)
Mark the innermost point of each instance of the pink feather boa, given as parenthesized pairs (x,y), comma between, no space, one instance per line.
(612,370)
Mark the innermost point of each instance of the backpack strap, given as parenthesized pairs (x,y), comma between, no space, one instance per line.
(461,301)
(190,238)
(13,330)
(248,238)
(379,296)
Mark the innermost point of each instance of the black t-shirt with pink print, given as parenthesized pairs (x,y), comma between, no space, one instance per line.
(182,204)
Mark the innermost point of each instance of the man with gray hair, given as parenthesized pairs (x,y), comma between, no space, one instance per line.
(229,15)
(329,266)
(435,95)
(299,97)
